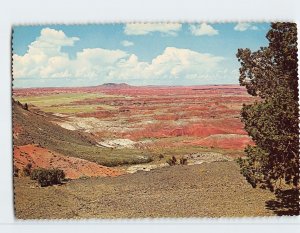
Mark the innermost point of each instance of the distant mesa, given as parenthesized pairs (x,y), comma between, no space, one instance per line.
(115,85)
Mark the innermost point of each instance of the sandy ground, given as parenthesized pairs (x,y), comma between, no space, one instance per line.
(214,189)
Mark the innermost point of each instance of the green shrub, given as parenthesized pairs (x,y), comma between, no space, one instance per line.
(47,177)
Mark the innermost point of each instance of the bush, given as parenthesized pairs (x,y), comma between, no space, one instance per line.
(172,161)
(27,169)
(35,173)
(47,177)
(25,107)
(183,161)
(16,171)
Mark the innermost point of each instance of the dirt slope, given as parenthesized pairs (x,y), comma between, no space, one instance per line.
(35,127)
(207,190)
(73,167)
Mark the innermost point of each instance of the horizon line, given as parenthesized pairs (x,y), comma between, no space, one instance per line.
(130,85)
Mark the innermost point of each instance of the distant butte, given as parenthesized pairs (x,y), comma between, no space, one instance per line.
(115,85)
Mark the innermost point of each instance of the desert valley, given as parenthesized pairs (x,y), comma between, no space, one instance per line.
(134,151)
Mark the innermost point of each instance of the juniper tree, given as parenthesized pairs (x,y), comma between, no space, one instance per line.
(272,120)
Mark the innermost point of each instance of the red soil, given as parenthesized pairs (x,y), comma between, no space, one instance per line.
(167,117)
(190,111)
(98,114)
(73,167)
(17,129)
(235,142)
(162,130)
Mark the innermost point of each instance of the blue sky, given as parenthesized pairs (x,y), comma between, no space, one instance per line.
(137,54)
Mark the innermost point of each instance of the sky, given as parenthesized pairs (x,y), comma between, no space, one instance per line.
(134,53)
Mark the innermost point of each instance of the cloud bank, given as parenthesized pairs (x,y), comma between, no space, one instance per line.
(45,60)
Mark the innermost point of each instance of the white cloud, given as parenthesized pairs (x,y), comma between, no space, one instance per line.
(45,59)
(176,62)
(127,43)
(43,54)
(203,29)
(96,62)
(245,26)
(173,63)
(146,28)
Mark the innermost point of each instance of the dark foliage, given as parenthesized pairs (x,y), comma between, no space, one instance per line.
(27,169)
(183,161)
(47,177)
(286,203)
(172,161)
(25,106)
(272,121)
(16,171)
